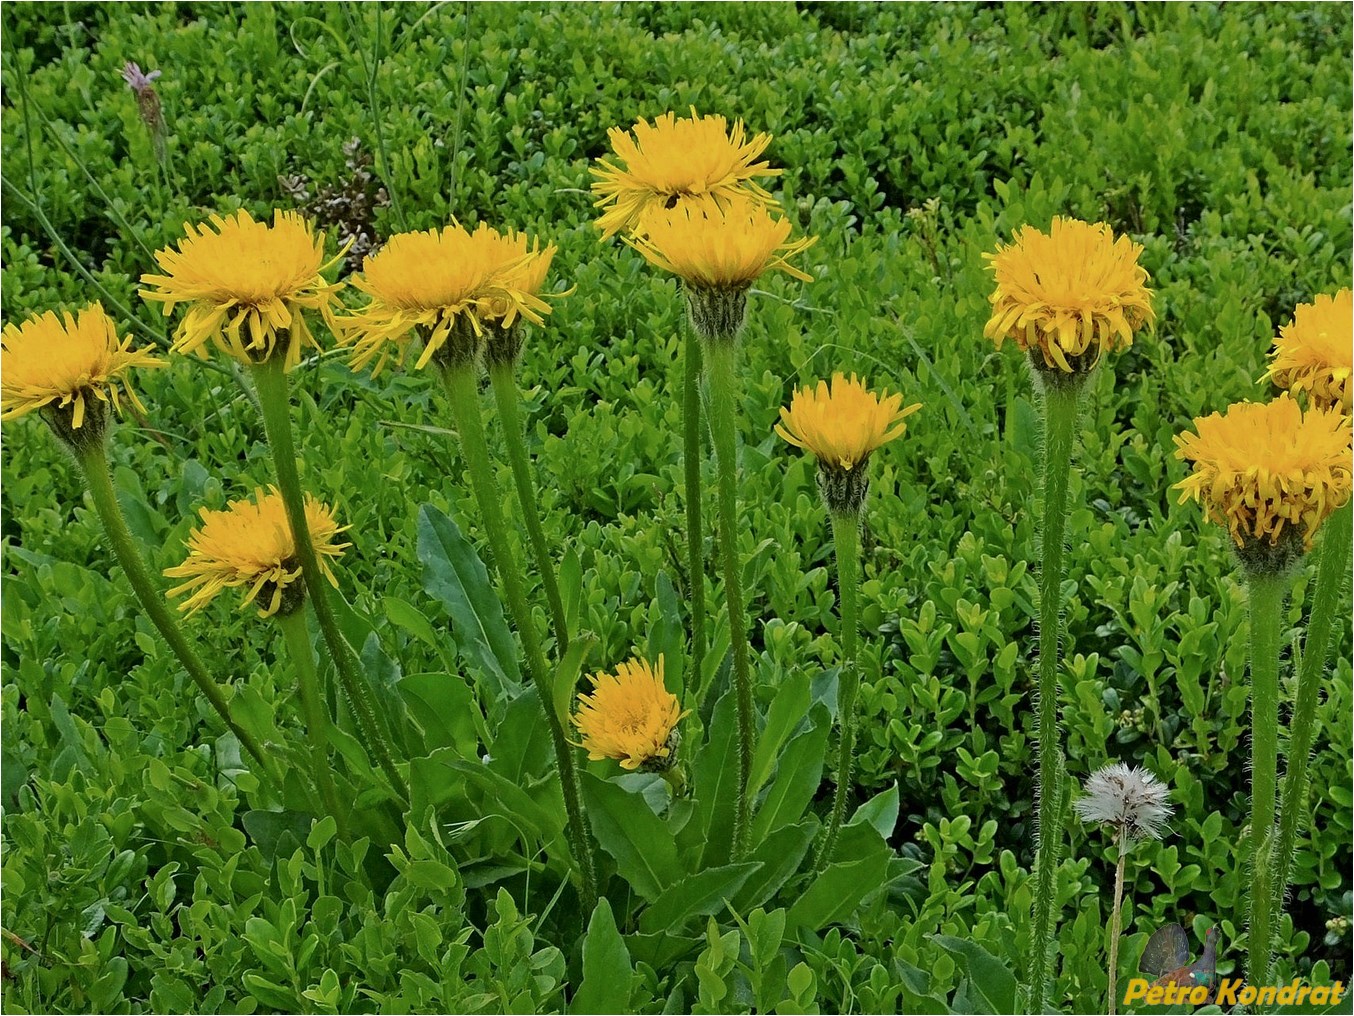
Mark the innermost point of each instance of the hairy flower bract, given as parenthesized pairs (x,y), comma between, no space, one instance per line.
(1073,293)
(719,247)
(66,361)
(247,285)
(1314,353)
(694,162)
(843,423)
(435,280)
(1129,799)
(630,716)
(250,544)
(1263,466)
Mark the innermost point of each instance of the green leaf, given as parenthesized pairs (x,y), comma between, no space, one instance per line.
(880,811)
(835,894)
(781,854)
(455,576)
(988,976)
(277,833)
(445,707)
(566,675)
(405,615)
(667,636)
(605,987)
(698,895)
(787,711)
(644,850)
(714,784)
(797,777)
(571,587)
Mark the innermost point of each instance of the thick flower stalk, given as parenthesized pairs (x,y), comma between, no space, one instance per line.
(250,546)
(842,426)
(1066,298)
(631,717)
(695,161)
(458,292)
(1135,806)
(1313,354)
(718,252)
(1271,474)
(247,285)
(71,370)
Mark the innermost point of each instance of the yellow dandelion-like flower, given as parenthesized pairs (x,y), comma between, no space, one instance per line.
(65,362)
(437,280)
(695,162)
(1073,291)
(250,544)
(1264,466)
(1313,354)
(247,285)
(842,424)
(720,247)
(630,717)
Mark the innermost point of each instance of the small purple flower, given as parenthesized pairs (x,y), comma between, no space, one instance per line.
(136,80)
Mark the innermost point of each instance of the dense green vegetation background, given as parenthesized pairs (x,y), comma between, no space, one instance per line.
(913,138)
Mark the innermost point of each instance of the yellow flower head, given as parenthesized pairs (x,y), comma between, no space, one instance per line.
(728,246)
(694,162)
(843,424)
(66,361)
(1313,354)
(630,717)
(1262,466)
(1073,290)
(247,285)
(250,544)
(437,280)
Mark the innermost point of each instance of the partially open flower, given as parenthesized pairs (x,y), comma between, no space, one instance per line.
(630,717)
(719,251)
(1068,296)
(1130,800)
(72,366)
(693,162)
(247,285)
(1315,353)
(841,425)
(445,285)
(1268,472)
(250,544)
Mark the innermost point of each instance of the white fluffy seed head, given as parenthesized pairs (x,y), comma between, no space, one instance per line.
(1129,799)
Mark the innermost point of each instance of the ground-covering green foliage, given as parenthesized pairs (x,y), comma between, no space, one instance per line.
(913,137)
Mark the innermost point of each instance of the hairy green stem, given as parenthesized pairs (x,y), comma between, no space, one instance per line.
(270,383)
(297,637)
(723,395)
(94,463)
(1116,922)
(691,465)
(846,538)
(1267,591)
(1332,572)
(463,395)
(1060,420)
(506,398)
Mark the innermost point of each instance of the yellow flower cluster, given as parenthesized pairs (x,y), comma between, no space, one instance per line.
(683,194)
(1262,467)
(246,284)
(65,362)
(442,281)
(250,544)
(842,424)
(694,162)
(1071,294)
(630,716)
(1315,353)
